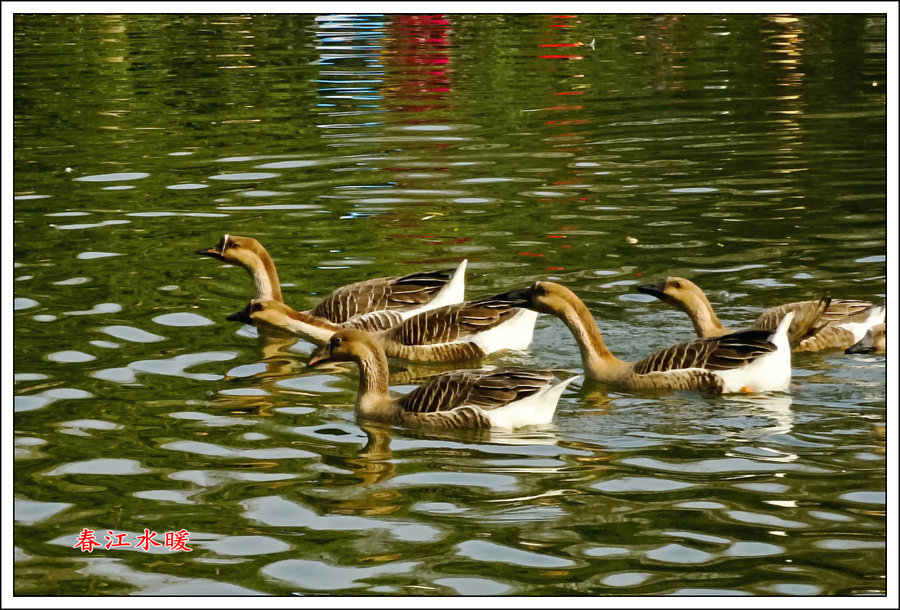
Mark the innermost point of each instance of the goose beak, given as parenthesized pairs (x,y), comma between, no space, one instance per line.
(654,290)
(322,354)
(863,347)
(241,316)
(518,298)
(860,349)
(212,252)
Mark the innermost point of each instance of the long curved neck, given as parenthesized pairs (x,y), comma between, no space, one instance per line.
(597,360)
(265,278)
(704,319)
(373,397)
(307,325)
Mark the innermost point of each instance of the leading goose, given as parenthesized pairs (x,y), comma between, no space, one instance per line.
(748,361)
(384,300)
(500,398)
(843,323)
(454,332)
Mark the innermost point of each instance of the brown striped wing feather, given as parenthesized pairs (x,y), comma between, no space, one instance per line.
(375,321)
(809,319)
(453,322)
(379,294)
(474,388)
(712,353)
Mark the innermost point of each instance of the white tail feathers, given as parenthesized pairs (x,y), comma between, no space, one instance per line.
(536,409)
(780,336)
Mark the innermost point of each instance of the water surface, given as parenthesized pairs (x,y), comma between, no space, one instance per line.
(745,152)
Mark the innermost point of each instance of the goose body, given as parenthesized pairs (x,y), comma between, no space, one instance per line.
(842,323)
(454,332)
(383,301)
(874,341)
(748,361)
(500,398)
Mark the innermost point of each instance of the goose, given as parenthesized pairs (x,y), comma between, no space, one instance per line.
(454,332)
(874,341)
(499,398)
(748,361)
(843,323)
(385,300)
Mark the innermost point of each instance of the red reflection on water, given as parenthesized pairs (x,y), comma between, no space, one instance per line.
(562,32)
(417,61)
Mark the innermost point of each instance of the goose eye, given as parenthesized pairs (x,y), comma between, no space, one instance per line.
(676,284)
(257,307)
(335,341)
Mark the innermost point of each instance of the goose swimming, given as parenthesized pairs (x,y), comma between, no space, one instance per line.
(843,323)
(500,398)
(386,300)
(454,332)
(748,361)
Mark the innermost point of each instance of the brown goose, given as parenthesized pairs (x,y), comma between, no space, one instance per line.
(454,332)
(499,398)
(874,341)
(748,361)
(843,323)
(387,300)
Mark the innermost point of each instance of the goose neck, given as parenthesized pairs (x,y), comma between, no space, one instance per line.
(373,382)
(597,360)
(265,278)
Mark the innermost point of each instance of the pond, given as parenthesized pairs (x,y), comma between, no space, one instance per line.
(745,152)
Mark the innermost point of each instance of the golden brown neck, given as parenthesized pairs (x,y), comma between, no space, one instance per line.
(265,277)
(373,394)
(704,319)
(302,323)
(597,360)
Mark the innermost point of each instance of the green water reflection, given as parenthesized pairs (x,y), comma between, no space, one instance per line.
(746,152)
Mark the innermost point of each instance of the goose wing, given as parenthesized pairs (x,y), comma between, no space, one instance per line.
(375,321)
(712,353)
(383,293)
(454,322)
(841,309)
(810,317)
(837,310)
(475,388)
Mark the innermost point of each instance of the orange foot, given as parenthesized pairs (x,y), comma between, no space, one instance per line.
(747,389)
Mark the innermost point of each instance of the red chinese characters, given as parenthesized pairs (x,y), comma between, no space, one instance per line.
(174,541)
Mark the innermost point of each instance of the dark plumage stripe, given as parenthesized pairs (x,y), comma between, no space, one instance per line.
(383,293)
(438,352)
(452,322)
(375,321)
(454,419)
(485,389)
(712,353)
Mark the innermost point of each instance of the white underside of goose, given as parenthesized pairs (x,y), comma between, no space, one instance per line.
(516,333)
(535,410)
(452,293)
(770,372)
(859,329)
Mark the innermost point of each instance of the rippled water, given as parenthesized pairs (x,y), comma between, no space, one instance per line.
(746,152)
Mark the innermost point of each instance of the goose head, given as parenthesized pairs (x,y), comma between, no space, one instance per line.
(544,297)
(676,291)
(345,345)
(264,312)
(237,250)
(248,253)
